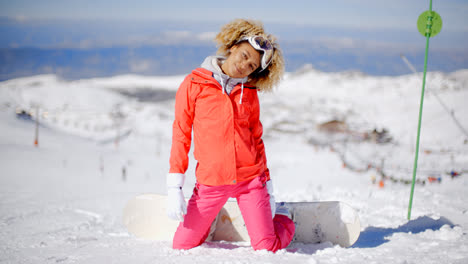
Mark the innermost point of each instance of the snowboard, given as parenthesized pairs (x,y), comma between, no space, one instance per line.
(316,222)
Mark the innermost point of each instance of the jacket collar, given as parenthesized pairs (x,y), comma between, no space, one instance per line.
(206,75)
(213,64)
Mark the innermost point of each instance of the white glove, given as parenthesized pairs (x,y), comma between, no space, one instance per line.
(176,205)
(269,185)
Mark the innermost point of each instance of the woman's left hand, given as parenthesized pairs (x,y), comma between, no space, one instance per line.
(269,185)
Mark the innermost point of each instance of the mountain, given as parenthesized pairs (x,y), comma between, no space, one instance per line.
(84,49)
(164,59)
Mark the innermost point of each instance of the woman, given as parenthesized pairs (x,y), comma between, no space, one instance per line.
(219,102)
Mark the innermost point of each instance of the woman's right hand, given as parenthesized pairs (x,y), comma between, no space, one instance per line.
(176,205)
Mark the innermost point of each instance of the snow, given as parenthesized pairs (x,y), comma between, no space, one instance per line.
(62,202)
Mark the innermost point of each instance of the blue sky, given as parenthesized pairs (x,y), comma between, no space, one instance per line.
(364,14)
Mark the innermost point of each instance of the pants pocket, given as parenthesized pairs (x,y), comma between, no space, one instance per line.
(258,183)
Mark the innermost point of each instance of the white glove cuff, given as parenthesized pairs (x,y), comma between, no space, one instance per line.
(175,180)
(269,185)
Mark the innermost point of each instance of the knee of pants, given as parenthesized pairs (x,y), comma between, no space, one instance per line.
(268,243)
(284,233)
(186,238)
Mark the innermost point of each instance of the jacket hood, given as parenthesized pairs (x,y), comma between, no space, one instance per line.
(212,63)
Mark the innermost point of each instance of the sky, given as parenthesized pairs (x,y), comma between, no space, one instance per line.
(364,14)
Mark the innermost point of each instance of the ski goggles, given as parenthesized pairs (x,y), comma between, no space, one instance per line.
(261,44)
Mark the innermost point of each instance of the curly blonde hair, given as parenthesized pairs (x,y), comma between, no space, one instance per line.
(238,28)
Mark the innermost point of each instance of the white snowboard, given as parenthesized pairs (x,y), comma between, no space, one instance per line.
(316,222)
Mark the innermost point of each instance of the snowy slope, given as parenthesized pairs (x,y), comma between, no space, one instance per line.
(62,202)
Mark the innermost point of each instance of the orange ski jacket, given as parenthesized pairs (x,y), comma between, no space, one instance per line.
(227,131)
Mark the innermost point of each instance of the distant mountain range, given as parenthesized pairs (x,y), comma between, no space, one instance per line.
(87,49)
(75,63)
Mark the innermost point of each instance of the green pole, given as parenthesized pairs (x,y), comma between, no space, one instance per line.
(429,24)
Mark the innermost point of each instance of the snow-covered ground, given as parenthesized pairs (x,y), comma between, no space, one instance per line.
(102,141)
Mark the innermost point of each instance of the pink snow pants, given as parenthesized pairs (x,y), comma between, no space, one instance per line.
(254,202)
